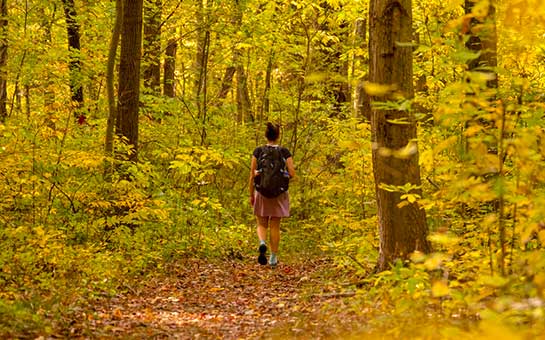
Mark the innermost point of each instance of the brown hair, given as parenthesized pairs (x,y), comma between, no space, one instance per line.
(273,132)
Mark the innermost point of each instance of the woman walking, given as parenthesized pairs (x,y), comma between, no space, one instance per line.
(269,205)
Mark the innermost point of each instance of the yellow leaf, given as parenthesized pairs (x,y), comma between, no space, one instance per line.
(434,261)
(539,280)
(39,231)
(541,236)
(480,9)
(384,152)
(406,152)
(378,90)
(444,239)
(241,46)
(445,144)
(439,288)
(315,77)
(418,257)
(494,281)
(472,130)
(410,197)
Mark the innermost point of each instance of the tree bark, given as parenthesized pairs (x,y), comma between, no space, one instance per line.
(112,116)
(129,75)
(47,38)
(3,60)
(201,67)
(169,69)
(243,96)
(244,105)
(200,51)
(74,47)
(361,102)
(226,82)
(152,46)
(403,230)
(266,107)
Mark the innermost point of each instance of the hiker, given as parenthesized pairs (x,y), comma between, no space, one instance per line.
(270,172)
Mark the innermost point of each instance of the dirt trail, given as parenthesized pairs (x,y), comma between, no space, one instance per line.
(232,300)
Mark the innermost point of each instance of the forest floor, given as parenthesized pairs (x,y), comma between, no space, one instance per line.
(226,300)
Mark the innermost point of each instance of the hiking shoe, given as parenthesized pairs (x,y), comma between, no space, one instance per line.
(262,259)
(273,261)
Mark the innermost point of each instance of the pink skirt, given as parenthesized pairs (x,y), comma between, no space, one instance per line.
(272,207)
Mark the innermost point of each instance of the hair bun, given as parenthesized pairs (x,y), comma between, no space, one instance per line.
(272,132)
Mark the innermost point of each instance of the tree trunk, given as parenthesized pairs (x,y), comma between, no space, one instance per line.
(129,74)
(152,46)
(361,102)
(200,67)
(47,82)
(237,68)
(266,107)
(169,69)
(199,56)
(112,116)
(226,82)
(74,47)
(3,59)
(483,41)
(403,228)
(244,106)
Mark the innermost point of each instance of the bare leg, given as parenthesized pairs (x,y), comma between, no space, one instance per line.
(274,224)
(262,224)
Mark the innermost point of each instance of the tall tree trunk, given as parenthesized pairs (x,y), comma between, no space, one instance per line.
(266,107)
(361,102)
(202,95)
(16,99)
(200,67)
(74,46)
(3,59)
(340,88)
(244,106)
(110,88)
(169,69)
(129,74)
(47,38)
(199,56)
(152,45)
(483,41)
(236,66)
(402,226)
(226,82)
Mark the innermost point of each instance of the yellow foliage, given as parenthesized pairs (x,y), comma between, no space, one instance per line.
(378,90)
(439,289)
(435,261)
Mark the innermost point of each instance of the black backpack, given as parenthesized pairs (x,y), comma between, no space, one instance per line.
(273,178)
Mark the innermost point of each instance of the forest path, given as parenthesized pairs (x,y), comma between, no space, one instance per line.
(226,300)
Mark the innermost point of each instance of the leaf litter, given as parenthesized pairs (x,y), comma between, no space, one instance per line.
(223,300)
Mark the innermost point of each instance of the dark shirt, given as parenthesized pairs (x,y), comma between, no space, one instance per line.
(283,151)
